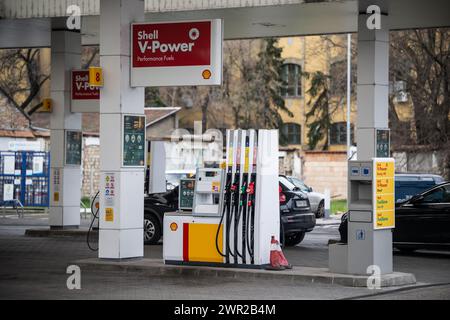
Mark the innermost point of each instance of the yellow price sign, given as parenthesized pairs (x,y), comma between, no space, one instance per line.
(384,190)
(109,214)
(384,202)
(385,169)
(95,76)
(384,186)
(385,219)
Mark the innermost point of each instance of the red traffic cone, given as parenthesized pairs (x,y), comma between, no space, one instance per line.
(277,259)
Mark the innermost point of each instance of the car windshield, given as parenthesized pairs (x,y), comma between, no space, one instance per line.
(287,184)
(299,184)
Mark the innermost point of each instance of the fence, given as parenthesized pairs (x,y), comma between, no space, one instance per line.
(24,177)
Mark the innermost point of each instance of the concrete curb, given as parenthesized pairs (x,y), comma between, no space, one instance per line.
(47,232)
(156,267)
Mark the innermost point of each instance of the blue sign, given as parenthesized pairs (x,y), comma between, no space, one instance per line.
(360,234)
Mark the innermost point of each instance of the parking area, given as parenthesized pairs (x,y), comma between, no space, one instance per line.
(35,268)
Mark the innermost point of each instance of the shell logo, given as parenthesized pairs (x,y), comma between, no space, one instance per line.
(206,74)
(173,226)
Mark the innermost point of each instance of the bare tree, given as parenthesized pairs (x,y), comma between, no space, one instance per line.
(21,79)
(421,60)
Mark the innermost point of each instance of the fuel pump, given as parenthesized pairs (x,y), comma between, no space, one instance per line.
(236,208)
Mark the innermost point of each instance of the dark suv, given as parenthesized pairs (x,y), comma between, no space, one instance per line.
(295,213)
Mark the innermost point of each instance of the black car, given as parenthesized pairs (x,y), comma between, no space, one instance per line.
(296,216)
(422,222)
(155,205)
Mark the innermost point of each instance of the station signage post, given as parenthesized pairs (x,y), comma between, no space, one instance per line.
(176,53)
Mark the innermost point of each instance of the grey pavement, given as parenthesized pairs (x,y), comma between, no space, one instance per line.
(35,268)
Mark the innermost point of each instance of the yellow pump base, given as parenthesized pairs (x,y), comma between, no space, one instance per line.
(192,239)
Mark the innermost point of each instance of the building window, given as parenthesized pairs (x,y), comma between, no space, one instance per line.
(338,78)
(292,80)
(338,133)
(291,133)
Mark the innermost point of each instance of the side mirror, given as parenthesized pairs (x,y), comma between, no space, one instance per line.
(310,189)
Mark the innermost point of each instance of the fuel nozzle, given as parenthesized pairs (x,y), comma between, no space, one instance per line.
(251,188)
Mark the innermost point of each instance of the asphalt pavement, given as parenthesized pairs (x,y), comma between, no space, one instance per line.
(35,268)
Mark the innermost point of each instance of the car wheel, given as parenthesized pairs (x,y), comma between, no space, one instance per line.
(320,210)
(293,239)
(152,229)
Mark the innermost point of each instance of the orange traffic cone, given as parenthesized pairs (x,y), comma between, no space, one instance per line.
(277,259)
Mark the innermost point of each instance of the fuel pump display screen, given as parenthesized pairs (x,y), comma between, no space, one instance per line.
(133,141)
(73,147)
(186,194)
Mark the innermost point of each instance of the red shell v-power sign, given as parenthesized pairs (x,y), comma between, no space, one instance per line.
(176,53)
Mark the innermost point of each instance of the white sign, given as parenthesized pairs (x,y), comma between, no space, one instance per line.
(182,53)
(8,192)
(38,165)
(18,145)
(9,163)
(110,189)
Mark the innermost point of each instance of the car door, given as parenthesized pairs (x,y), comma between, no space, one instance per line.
(426,219)
(407,224)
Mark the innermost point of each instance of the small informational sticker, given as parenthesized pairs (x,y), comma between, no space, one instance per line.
(355,171)
(366,172)
(56,179)
(109,214)
(55,196)
(216,186)
(110,189)
(360,234)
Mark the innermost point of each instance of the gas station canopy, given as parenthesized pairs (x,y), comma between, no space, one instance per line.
(26,23)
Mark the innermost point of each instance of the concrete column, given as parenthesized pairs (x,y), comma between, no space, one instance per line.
(65,185)
(373,90)
(121,229)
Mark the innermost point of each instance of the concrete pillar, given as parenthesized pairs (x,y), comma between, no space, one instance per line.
(121,228)
(65,185)
(373,90)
